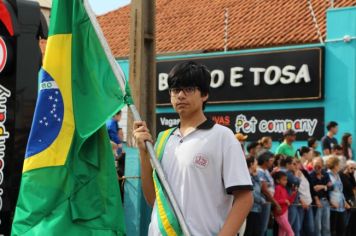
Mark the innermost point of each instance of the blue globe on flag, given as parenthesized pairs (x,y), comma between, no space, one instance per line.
(48,118)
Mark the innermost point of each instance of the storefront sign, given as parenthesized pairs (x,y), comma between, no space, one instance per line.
(308,122)
(264,77)
(4,135)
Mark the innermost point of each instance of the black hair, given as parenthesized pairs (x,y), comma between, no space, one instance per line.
(331,125)
(285,161)
(250,161)
(345,145)
(303,150)
(337,147)
(264,157)
(252,145)
(277,159)
(311,141)
(317,153)
(190,74)
(279,175)
(118,113)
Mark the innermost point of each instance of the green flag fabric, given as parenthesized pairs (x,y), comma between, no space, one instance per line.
(69,184)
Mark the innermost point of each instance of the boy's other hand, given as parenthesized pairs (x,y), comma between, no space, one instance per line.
(141,135)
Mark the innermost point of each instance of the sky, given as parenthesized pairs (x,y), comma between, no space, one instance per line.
(102,6)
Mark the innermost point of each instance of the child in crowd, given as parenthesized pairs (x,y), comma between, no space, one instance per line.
(284,200)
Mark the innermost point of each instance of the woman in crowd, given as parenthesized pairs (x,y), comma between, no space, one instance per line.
(277,163)
(313,143)
(346,142)
(253,229)
(306,157)
(265,162)
(321,184)
(284,199)
(306,216)
(253,149)
(337,199)
(266,143)
(349,189)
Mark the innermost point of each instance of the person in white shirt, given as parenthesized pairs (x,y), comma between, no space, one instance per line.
(204,164)
(305,197)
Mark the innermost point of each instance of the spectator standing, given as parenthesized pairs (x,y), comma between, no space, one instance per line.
(253,229)
(337,199)
(338,152)
(253,149)
(277,163)
(266,143)
(305,195)
(286,147)
(328,141)
(313,143)
(265,162)
(321,184)
(112,126)
(349,189)
(289,166)
(306,158)
(123,153)
(284,199)
(316,154)
(346,143)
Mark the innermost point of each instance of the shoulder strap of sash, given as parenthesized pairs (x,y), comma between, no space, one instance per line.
(167,221)
(162,141)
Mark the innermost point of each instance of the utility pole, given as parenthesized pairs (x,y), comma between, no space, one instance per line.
(143,86)
(143,63)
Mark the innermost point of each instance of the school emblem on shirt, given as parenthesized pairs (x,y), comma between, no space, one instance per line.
(201,161)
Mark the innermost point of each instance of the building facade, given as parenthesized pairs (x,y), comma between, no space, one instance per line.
(275,65)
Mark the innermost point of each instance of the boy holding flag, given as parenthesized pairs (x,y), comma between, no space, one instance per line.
(204,164)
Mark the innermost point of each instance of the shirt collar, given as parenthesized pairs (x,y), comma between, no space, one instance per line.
(207,124)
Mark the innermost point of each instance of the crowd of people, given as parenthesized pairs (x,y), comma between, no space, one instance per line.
(302,191)
(296,191)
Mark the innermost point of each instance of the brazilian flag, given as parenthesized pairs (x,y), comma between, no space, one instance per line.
(69,184)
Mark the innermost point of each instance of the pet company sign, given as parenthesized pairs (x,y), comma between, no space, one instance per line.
(305,122)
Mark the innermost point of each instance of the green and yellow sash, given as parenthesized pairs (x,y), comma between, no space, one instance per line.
(167,221)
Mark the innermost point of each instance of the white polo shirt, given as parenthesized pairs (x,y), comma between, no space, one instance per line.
(304,190)
(203,169)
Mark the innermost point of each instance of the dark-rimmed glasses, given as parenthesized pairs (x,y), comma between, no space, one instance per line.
(186,90)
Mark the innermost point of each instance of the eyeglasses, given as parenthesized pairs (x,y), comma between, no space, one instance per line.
(186,90)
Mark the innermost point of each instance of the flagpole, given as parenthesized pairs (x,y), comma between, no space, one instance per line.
(122,82)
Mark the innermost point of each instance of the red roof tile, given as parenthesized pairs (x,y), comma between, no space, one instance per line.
(198,25)
(193,25)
